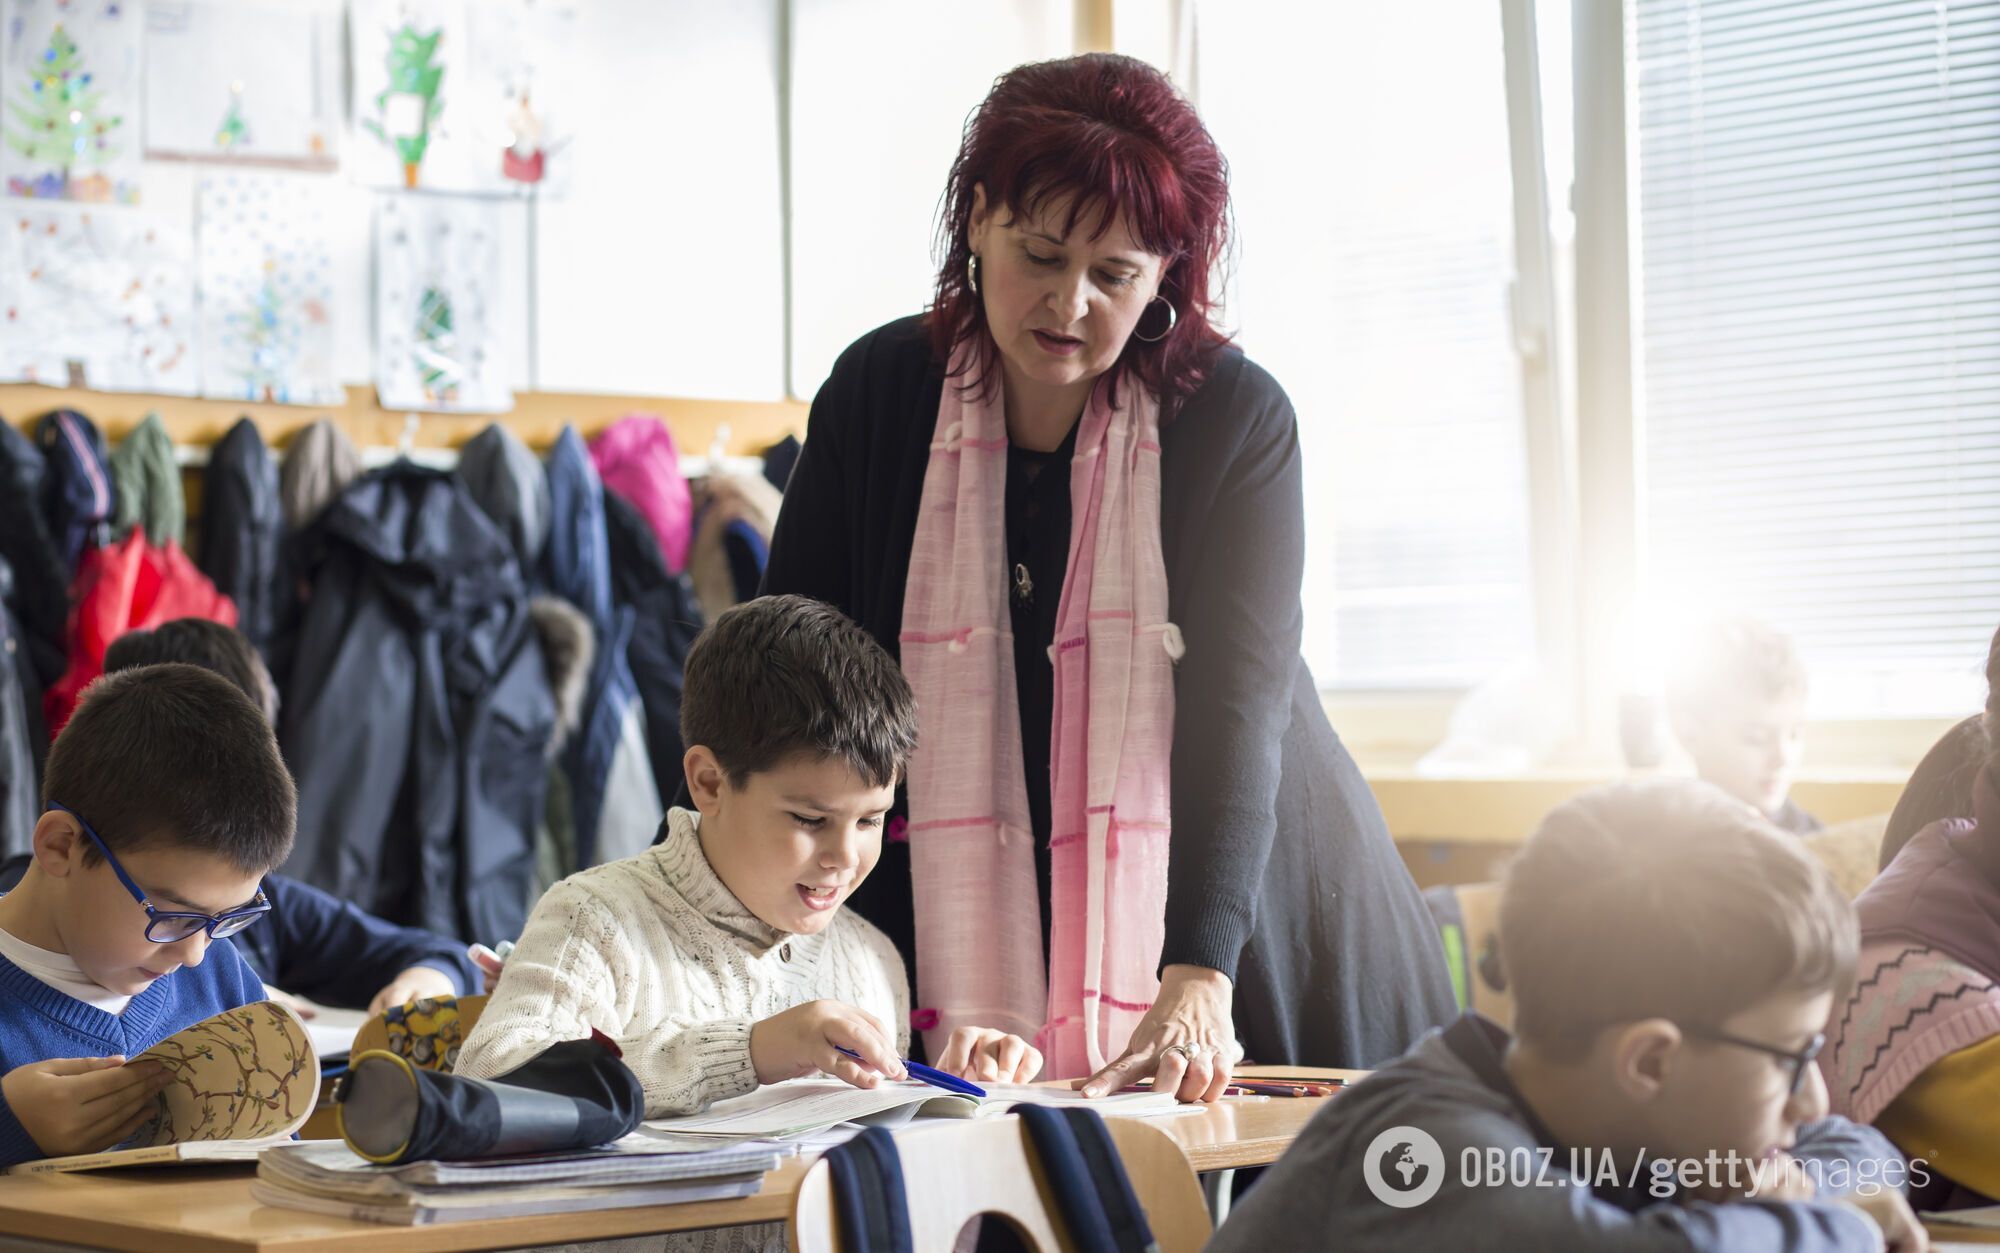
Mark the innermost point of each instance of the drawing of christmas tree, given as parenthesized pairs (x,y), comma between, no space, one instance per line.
(269,341)
(233,132)
(59,119)
(409,104)
(436,350)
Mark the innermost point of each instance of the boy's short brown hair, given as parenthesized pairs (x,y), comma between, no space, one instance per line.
(199,642)
(1669,899)
(785,675)
(1733,657)
(175,754)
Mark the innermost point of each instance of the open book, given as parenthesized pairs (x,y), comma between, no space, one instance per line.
(244,1079)
(799,1107)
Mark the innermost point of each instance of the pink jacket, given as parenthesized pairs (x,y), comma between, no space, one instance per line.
(635,456)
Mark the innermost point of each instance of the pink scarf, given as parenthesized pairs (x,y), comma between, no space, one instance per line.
(978,915)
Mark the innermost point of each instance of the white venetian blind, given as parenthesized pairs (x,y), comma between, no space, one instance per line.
(1818,198)
(1369,165)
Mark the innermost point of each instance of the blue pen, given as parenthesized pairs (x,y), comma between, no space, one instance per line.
(936,1078)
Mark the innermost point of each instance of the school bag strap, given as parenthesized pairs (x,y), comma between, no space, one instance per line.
(868,1193)
(1093,1193)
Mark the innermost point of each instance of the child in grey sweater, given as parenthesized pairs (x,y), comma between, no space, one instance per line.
(1674,961)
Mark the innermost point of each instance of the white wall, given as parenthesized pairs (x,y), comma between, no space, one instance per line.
(660,272)
(881,90)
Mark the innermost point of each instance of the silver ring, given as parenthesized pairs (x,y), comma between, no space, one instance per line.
(1185,1050)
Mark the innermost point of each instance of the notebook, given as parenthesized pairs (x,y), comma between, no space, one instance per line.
(799,1107)
(243,1080)
(326,1177)
(331,1168)
(426,1208)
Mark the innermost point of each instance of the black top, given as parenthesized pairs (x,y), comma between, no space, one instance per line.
(1038,518)
(1346,968)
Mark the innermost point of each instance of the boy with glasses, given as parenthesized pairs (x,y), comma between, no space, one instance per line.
(1673,960)
(167,803)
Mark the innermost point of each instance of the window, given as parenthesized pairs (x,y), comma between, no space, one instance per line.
(1818,205)
(1369,154)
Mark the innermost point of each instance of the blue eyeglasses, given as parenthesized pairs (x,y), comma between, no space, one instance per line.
(170,926)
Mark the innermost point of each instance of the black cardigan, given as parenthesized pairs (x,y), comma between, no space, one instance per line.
(1232,529)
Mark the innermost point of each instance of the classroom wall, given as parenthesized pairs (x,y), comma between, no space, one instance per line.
(655,284)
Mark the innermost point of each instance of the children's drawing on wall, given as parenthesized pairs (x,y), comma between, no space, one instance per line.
(70,117)
(256,81)
(521,108)
(462,98)
(406,56)
(109,292)
(266,270)
(440,305)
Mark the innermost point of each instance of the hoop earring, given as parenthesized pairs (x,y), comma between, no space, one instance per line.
(972,273)
(1173,316)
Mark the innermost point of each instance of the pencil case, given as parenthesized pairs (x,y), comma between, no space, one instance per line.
(573,1095)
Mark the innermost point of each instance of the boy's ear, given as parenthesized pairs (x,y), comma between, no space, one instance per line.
(705,779)
(58,844)
(1642,1053)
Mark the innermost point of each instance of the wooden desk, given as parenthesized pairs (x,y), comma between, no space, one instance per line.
(209,1209)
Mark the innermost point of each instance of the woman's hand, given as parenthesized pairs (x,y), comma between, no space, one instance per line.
(1186,1042)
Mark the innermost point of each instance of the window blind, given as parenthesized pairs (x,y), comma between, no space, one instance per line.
(1818,197)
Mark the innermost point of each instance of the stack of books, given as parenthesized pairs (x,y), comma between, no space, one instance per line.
(326,1177)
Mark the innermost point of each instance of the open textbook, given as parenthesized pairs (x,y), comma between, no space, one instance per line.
(799,1107)
(242,1080)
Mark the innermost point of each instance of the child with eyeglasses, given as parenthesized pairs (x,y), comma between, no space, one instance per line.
(166,804)
(1674,960)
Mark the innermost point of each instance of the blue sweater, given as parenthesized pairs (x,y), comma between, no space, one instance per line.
(38,1023)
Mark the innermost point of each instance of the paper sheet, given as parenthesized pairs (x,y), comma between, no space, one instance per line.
(440,304)
(108,289)
(71,100)
(254,81)
(266,265)
(806,1107)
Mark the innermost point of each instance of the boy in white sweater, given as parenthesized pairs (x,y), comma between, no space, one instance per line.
(720,959)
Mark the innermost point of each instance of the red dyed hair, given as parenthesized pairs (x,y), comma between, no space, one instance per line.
(1112,136)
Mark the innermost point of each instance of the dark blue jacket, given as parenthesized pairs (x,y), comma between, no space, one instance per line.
(78,498)
(417,710)
(39,594)
(315,945)
(613,795)
(667,620)
(243,531)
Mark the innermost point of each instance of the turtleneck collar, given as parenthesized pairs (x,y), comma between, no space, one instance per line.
(686,869)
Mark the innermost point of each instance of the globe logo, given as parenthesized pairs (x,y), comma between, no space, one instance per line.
(1404,1167)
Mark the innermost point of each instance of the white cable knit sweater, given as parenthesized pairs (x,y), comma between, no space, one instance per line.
(656,953)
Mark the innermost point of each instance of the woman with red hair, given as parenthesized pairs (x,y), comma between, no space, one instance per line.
(1075,513)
